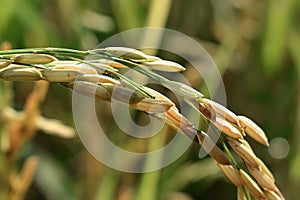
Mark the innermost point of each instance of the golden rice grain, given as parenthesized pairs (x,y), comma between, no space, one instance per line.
(253,130)
(262,178)
(270,195)
(244,152)
(4,63)
(164,65)
(33,58)
(59,75)
(98,78)
(13,73)
(232,174)
(227,128)
(125,52)
(211,148)
(251,186)
(220,110)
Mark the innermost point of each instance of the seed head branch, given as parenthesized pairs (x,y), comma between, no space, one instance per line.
(98,77)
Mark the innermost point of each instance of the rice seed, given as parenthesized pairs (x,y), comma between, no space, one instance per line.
(100,67)
(98,78)
(148,59)
(90,67)
(227,128)
(122,94)
(80,68)
(182,89)
(190,132)
(151,105)
(151,58)
(244,142)
(253,130)
(15,73)
(244,152)
(59,75)
(125,52)
(163,117)
(262,178)
(251,186)
(159,96)
(232,174)
(110,91)
(270,195)
(33,58)
(213,150)
(265,169)
(95,64)
(164,65)
(241,194)
(208,113)
(180,121)
(90,90)
(221,111)
(13,66)
(111,63)
(137,101)
(4,63)
(125,95)
(134,86)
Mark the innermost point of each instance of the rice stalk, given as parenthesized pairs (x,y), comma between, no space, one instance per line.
(99,78)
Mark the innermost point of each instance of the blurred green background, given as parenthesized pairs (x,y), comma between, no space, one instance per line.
(255,44)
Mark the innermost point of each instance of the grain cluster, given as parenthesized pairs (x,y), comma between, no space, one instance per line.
(99,78)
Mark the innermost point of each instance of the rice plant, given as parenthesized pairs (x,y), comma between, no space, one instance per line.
(100,78)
